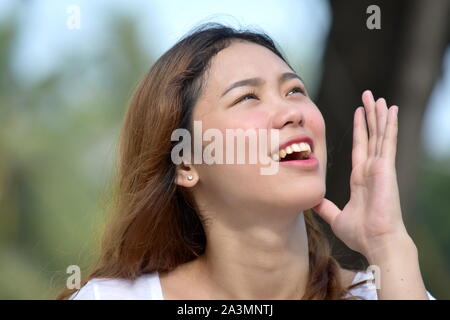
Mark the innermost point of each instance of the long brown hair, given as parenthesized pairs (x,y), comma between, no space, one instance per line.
(155,225)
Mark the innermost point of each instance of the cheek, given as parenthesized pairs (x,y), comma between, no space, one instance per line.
(253,119)
(244,119)
(231,182)
(316,123)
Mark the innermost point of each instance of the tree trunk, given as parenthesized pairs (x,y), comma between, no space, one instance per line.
(400,62)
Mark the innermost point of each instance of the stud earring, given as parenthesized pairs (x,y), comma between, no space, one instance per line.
(190,177)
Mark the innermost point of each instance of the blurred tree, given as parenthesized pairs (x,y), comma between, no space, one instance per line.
(57,147)
(57,134)
(401,62)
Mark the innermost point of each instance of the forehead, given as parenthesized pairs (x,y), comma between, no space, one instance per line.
(242,60)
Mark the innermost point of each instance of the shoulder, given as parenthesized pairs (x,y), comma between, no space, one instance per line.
(145,287)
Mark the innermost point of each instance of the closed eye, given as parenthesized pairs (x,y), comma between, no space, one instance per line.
(252,94)
(297,90)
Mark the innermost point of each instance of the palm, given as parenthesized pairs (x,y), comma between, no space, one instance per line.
(374,206)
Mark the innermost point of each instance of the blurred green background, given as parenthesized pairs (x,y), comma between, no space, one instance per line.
(63,95)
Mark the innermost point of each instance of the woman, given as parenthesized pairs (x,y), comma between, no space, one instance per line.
(225,231)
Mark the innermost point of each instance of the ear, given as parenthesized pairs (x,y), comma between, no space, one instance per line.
(186,176)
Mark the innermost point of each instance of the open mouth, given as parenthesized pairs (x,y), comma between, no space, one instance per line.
(296,156)
(295,151)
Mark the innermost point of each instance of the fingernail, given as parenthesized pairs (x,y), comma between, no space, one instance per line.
(362,110)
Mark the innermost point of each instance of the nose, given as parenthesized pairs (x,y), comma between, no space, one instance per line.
(288,114)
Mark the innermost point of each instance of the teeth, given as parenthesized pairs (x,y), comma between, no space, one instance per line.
(303,147)
(296,147)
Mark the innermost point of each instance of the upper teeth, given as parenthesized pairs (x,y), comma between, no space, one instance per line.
(295,147)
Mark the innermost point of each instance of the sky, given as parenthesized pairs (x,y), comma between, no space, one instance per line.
(44,38)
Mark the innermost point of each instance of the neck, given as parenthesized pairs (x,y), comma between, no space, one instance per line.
(261,256)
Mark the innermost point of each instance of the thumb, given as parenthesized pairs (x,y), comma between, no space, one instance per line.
(327,210)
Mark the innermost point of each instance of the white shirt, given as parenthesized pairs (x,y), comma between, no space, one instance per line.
(148,287)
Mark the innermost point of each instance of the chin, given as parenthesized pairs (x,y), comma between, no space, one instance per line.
(299,196)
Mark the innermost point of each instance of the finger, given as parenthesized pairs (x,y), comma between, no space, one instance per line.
(369,104)
(327,210)
(381,123)
(359,151)
(389,147)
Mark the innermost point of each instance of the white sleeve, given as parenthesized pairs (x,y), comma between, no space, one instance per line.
(430,297)
(88,292)
(114,289)
(368,290)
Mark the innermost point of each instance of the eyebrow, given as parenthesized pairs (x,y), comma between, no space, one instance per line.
(255,82)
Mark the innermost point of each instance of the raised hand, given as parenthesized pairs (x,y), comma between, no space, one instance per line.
(372,217)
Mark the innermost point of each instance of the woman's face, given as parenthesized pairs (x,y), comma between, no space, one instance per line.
(267,104)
